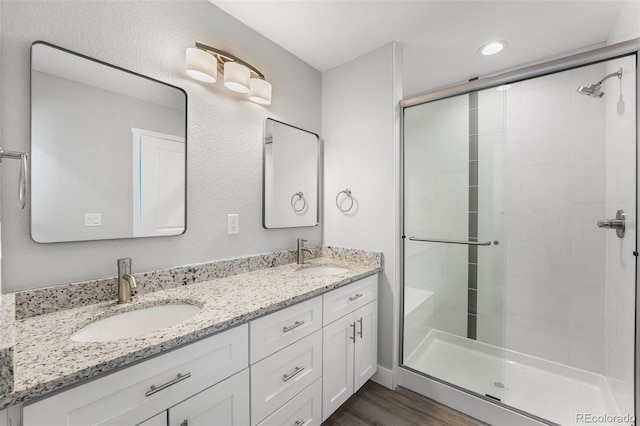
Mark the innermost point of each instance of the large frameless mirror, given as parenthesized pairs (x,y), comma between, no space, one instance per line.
(291,157)
(108,150)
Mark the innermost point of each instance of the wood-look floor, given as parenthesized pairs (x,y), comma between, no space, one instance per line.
(375,405)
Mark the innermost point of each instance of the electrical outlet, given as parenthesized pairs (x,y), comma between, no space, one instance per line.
(233,224)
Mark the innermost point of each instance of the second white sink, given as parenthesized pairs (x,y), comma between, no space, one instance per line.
(135,323)
(323,271)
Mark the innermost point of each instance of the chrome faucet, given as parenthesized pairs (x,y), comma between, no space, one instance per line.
(301,250)
(126,282)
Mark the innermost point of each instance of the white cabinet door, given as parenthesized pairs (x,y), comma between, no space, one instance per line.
(157,420)
(225,404)
(366,345)
(350,356)
(337,364)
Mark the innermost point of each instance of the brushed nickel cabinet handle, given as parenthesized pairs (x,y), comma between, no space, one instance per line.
(185,423)
(356,297)
(290,376)
(360,332)
(300,422)
(353,336)
(155,389)
(293,326)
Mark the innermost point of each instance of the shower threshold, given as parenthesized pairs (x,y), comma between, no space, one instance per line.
(545,389)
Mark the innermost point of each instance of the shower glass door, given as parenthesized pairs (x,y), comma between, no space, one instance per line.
(511,289)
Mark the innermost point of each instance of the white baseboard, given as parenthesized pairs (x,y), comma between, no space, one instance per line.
(384,377)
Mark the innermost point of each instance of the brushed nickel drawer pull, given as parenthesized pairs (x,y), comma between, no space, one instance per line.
(356,297)
(360,332)
(185,423)
(353,336)
(155,389)
(300,422)
(295,372)
(291,327)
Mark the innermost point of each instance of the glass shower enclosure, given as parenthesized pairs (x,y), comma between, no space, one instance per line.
(519,243)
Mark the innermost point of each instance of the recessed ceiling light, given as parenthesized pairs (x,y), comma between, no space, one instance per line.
(492,48)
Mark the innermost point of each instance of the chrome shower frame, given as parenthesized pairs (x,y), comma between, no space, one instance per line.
(447,393)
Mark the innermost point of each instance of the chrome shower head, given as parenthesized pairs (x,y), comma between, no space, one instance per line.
(593,90)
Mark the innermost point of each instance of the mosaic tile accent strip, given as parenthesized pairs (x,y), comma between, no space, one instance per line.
(472,266)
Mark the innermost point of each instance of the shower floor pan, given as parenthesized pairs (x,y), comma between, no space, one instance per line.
(548,390)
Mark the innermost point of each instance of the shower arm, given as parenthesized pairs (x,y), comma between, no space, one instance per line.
(617,73)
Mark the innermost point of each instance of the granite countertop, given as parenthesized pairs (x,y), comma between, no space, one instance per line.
(46,359)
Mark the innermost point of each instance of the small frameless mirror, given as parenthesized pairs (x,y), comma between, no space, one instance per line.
(290,176)
(108,150)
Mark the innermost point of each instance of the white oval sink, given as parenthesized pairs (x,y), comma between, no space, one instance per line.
(322,271)
(135,323)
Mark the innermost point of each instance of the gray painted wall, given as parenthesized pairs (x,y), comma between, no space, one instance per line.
(224,130)
(359,126)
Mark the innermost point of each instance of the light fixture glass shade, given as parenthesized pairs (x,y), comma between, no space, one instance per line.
(260,91)
(201,65)
(236,77)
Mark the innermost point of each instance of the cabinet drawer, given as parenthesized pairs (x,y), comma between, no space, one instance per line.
(339,302)
(273,332)
(127,396)
(225,404)
(305,409)
(279,377)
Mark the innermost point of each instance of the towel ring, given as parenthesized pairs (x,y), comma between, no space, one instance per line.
(22,183)
(295,200)
(347,193)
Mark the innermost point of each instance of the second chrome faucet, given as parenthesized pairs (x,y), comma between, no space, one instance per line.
(126,282)
(301,250)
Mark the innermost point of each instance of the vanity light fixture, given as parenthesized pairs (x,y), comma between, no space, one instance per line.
(205,62)
(492,48)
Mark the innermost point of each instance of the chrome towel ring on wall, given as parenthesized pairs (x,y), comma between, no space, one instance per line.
(22,183)
(340,200)
(295,201)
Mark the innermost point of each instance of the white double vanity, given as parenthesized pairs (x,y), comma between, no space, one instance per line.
(275,346)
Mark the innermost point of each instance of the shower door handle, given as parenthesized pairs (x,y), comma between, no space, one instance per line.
(463,242)
(619,223)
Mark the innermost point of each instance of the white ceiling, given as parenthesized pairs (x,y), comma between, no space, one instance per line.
(439,39)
